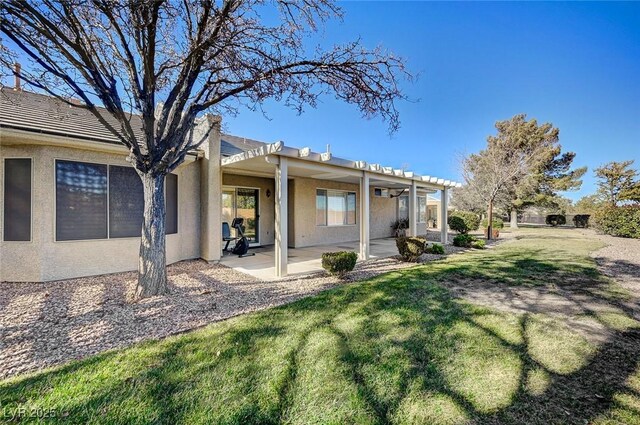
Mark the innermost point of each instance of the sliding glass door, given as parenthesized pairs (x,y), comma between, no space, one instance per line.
(244,203)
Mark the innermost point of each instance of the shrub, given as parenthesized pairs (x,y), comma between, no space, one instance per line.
(619,221)
(339,263)
(581,220)
(468,241)
(411,248)
(478,244)
(436,248)
(463,221)
(496,223)
(463,240)
(556,220)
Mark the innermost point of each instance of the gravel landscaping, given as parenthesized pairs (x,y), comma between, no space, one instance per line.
(46,324)
(620,259)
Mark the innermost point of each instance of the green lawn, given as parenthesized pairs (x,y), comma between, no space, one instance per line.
(394,349)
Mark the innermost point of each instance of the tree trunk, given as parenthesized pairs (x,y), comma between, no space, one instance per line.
(490,221)
(514,219)
(152,270)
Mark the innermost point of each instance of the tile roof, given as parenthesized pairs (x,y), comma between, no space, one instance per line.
(40,113)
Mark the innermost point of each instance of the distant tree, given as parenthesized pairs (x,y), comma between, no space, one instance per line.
(588,204)
(171,61)
(521,166)
(617,182)
(550,171)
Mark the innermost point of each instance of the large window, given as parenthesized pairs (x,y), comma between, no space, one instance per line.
(17,199)
(335,208)
(96,201)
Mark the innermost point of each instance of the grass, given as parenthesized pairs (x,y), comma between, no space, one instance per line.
(394,349)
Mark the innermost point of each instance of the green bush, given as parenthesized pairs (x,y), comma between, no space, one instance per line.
(555,220)
(619,221)
(581,220)
(436,248)
(339,263)
(463,221)
(468,241)
(463,240)
(411,248)
(478,244)
(497,223)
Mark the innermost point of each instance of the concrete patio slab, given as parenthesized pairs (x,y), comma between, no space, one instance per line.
(300,260)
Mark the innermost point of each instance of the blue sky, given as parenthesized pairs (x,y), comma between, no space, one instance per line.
(576,65)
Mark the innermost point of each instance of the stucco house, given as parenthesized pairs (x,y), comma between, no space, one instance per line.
(72,204)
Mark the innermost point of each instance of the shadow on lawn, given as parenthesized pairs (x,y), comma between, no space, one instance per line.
(405,351)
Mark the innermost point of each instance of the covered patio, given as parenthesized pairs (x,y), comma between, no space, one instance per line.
(297,246)
(300,260)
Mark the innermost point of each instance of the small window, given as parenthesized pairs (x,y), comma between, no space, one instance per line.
(422,209)
(403,207)
(380,192)
(335,208)
(171,203)
(81,201)
(17,199)
(126,202)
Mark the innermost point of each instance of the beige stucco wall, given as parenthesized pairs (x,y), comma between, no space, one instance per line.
(304,232)
(266,204)
(382,214)
(44,259)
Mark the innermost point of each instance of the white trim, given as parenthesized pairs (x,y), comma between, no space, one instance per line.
(281,218)
(364,216)
(4,180)
(264,150)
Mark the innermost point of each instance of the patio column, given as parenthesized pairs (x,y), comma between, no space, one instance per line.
(444,206)
(364,216)
(281,242)
(210,191)
(413,216)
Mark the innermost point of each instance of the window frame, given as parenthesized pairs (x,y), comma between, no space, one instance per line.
(346,192)
(31,200)
(107,164)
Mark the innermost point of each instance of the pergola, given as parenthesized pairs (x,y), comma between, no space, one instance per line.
(278,161)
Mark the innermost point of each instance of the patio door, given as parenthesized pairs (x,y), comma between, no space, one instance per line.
(243,202)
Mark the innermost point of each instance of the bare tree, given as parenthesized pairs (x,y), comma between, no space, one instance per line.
(170,61)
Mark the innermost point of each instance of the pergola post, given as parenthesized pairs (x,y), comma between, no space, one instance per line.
(364,216)
(281,221)
(444,206)
(413,205)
